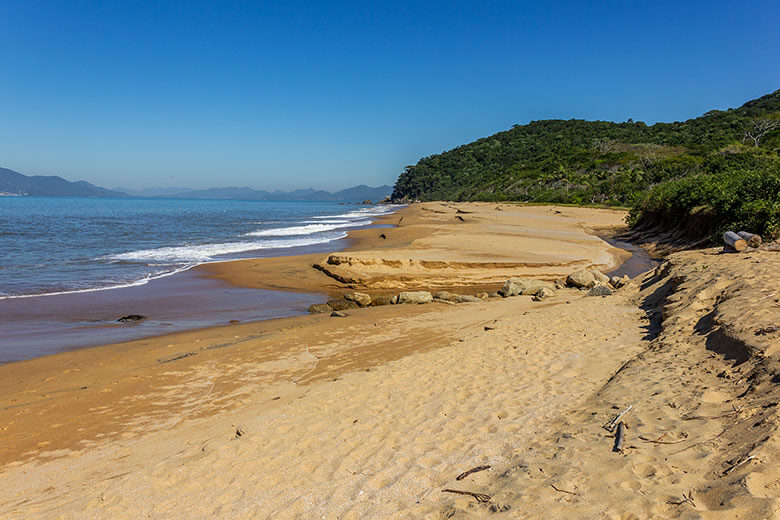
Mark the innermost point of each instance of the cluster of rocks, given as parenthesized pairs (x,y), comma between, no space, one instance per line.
(354,300)
(595,282)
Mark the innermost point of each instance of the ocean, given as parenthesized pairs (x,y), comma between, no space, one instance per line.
(70,266)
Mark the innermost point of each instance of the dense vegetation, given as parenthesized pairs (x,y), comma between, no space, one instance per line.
(720,165)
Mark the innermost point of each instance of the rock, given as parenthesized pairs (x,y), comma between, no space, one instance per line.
(445,295)
(366,202)
(361,299)
(380,300)
(600,290)
(614,281)
(337,314)
(415,297)
(233,322)
(543,293)
(394,299)
(580,278)
(131,318)
(518,286)
(482,295)
(465,298)
(599,276)
(319,308)
(341,305)
(560,284)
(494,295)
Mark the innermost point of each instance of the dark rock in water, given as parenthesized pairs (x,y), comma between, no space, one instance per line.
(337,314)
(342,305)
(319,308)
(131,318)
(380,300)
(366,202)
(233,322)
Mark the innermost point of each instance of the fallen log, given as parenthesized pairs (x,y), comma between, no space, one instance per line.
(751,239)
(734,241)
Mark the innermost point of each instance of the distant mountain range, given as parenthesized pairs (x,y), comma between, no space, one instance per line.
(15,183)
(354,194)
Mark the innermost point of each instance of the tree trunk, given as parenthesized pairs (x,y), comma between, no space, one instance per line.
(734,241)
(751,239)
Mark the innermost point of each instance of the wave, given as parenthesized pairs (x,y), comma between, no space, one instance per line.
(374,211)
(120,285)
(309,229)
(204,252)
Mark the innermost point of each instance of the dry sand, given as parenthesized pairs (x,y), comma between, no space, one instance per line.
(373,415)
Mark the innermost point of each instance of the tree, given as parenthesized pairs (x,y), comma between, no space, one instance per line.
(761,127)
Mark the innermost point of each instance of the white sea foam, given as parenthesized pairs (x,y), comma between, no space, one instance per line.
(122,285)
(309,229)
(373,211)
(204,252)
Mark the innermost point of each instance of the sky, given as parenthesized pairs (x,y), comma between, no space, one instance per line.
(286,95)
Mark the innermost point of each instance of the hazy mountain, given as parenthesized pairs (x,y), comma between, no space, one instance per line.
(154,191)
(14,183)
(354,194)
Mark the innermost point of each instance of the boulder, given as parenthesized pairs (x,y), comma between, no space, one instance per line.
(342,305)
(465,298)
(319,308)
(446,296)
(600,290)
(360,298)
(380,300)
(614,281)
(543,293)
(599,276)
(519,286)
(482,295)
(415,297)
(580,278)
(131,318)
(559,284)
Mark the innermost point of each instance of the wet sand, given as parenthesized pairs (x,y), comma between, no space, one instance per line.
(375,414)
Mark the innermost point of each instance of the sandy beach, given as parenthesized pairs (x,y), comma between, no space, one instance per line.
(376,414)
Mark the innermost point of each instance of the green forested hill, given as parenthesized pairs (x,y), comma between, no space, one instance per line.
(717,164)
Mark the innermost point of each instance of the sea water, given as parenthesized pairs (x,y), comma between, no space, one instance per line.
(62,244)
(69,267)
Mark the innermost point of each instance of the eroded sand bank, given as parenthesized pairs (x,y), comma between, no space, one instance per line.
(373,415)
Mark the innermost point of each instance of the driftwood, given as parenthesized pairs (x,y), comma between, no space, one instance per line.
(611,426)
(751,239)
(734,241)
(620,437)
(738,464)
(479,496)
(472,470)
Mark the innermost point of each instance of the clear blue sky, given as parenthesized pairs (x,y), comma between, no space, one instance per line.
(329,94)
